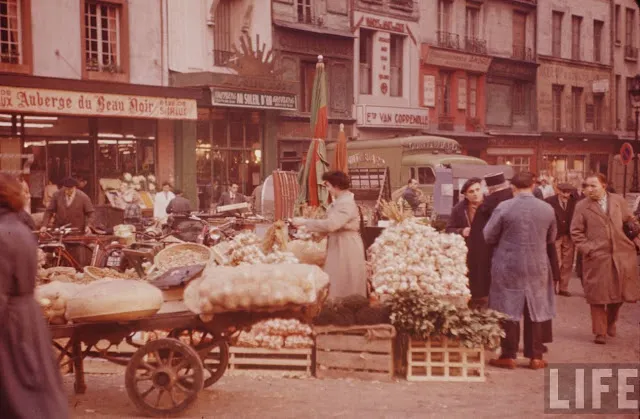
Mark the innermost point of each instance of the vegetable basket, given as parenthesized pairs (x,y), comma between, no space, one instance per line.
(162,261)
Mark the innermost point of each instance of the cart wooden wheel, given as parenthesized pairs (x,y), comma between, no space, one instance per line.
(163,377)
(213,351)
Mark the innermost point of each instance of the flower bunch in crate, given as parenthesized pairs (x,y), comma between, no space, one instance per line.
(423,316)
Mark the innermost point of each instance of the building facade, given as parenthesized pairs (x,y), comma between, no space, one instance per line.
(387,65)
(626,40)
(511,119)
(90,101)
(303,30)
(573,89)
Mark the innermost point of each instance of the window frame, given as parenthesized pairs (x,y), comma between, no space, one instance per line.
(576,109)
(598,30)
(25,66)
(474,22)
(629,27)
(396,43)
(123,43)
(368,64)
(444,106)
(618,13)
(472,95)
(306,7)
(576,32)
(556,34)
(598,111)
(556,108)
(445,19)
(520,98)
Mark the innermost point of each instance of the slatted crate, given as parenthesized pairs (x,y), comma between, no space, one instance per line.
(271,361)
(362,352)
(443,359)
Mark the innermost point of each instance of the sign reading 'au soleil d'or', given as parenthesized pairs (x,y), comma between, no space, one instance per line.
(241,99)
(18,99)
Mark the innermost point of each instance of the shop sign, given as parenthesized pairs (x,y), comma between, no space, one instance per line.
(458,60)
(359,158)
(445,146)
(383,24)
(600,86)
(389,117)
(236,98)
(18,99)
(462,93)
(429,91)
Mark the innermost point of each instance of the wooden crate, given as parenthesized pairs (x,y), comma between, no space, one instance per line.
(443,359)
(268,361)
(363,352)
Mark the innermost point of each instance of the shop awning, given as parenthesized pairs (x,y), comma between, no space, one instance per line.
(314,29)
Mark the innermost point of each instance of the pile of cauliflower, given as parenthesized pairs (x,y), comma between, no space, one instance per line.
(246,249)
(414,256)
(276,334)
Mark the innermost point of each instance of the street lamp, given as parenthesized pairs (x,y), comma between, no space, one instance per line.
(634,93)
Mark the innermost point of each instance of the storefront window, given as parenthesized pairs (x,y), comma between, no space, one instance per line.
(564,168)
(228,151)
(519,163)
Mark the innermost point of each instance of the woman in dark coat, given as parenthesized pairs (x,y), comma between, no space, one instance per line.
(30,382)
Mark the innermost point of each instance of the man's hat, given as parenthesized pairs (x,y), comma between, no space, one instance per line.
(495,179)
(565,187)
(69,182)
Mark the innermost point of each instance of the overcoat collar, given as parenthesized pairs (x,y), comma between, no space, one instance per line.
(594,207)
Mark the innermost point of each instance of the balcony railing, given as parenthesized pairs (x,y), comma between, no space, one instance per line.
(522,52)
(448,40)
(222,57)
(445,122)
(475,45)
(630,53)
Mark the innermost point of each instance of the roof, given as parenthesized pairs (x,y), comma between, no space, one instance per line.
(429,159)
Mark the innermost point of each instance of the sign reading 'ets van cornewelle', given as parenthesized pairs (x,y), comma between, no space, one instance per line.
(391,117)
(60,102)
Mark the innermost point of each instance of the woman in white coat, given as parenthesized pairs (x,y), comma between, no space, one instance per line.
(162,200)
(345,261)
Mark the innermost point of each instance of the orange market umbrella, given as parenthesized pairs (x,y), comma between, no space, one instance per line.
(340,157)
(310,177)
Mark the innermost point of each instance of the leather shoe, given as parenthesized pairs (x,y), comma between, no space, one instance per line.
(600,339)
(564,293)
(538,364)
(506,363)
(611,330)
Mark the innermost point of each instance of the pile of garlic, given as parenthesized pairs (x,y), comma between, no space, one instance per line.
(410,255)
(277,333)
(246,249)
(262,287)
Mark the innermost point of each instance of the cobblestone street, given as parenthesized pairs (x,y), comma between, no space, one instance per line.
(515,393)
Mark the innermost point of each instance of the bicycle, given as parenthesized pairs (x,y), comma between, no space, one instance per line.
(54,241)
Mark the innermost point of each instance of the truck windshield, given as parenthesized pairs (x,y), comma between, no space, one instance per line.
(425,175)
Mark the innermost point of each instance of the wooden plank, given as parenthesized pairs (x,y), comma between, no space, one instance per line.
(351,360)
(266,351)
(353,343)
(360,375)
(272,361)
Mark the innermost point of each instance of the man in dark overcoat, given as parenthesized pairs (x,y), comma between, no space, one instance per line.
(520,229)
(479,256)
(564,204)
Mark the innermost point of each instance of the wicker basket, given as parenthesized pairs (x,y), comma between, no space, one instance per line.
(204,252)
(102,273)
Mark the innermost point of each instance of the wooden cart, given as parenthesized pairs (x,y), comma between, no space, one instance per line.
(164,376)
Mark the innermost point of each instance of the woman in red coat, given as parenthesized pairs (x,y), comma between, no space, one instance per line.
(30,382)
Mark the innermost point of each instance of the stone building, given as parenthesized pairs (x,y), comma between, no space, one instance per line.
(626,40)
(387,57)
(453,73)
(573,88)
(225,49)
(302,30)
(83,92)
(511,118)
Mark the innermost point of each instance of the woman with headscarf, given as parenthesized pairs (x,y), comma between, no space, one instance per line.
(30,382)
(345,261)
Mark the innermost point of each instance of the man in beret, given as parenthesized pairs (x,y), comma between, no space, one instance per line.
(70,206)
(463,213)
(564,204)
(479,256)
